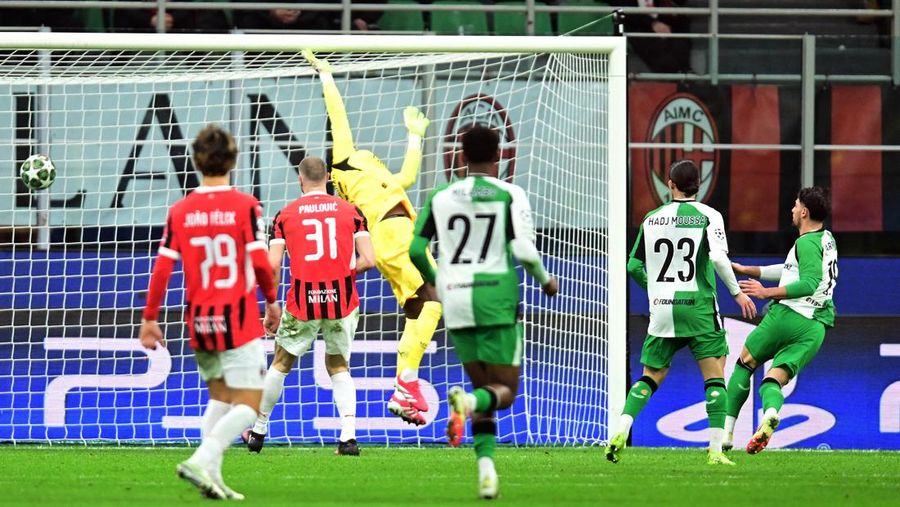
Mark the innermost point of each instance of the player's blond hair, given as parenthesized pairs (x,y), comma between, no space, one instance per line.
(313,169)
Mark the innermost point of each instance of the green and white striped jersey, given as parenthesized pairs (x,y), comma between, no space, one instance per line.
(480,223)
(683,244)
(809,275)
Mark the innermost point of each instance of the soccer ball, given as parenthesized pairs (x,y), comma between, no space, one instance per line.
(37,172)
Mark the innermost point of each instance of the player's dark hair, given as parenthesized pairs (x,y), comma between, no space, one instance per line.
(313,169)
(816,201)
(215,151)
(481,144)
(686,176)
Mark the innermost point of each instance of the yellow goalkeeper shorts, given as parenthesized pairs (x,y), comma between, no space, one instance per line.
(390,239)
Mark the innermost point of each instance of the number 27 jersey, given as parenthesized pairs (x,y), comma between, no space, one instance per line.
(674,242)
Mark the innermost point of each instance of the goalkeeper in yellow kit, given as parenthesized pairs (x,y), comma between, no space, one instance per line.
(361,178)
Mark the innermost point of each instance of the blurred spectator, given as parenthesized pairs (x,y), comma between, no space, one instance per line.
(58,20)
(285,19)
(176,20)
(295,19)
(660,54)
(882,24)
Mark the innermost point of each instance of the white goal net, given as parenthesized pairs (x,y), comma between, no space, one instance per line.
(117,116)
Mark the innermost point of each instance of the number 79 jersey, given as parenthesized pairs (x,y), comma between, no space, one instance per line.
(674,242)
(212,231)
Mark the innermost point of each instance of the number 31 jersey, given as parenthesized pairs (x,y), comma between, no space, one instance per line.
(212,230)
(320,231)
(674,242)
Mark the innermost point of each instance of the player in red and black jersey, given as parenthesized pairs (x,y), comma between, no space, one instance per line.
(328,242)
(217,233)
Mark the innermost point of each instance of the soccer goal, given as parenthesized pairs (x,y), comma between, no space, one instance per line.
(116,114)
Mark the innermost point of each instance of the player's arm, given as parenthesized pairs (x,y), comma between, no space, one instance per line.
(150,333)
(809,255)
(416,124)
(771,273)
(522,240)
(423,232)
(717,242)
(342,137)
(365,252)
(276,248)
(635,266)
(256,248)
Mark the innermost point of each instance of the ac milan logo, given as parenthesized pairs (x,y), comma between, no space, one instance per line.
(479,110)
(687,129)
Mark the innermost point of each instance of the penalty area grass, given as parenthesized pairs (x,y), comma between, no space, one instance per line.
(71,476)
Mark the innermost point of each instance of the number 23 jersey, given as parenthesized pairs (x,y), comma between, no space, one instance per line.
(674,242)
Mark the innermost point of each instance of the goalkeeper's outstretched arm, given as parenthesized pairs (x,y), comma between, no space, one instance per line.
(416,124)
(342,137)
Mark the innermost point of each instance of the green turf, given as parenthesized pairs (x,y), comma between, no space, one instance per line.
(74,476)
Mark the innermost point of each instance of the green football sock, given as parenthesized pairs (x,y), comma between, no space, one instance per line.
(716,401)
(485,400)
(771,394)
(485,437)
(638,396)
(738,389)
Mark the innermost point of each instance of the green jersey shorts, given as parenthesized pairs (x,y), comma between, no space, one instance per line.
(658,352)
(500,344)
(788,338)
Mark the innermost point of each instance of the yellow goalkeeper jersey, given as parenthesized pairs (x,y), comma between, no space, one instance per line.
(358,175)
(366,182)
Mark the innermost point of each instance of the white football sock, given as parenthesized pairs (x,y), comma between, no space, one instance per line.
(222,434)
(625,422)
(729,424)
(273,386)
(485,466)
(215,410)
(471,403)
(715,439)
(345,400)
(409,374)
(771,412)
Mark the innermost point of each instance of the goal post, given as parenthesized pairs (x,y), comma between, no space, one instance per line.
(117,113)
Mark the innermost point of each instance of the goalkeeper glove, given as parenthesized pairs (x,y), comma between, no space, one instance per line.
(415,121)
(321,66)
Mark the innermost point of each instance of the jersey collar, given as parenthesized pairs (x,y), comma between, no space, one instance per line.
(684,200)
(820,229)
(315,192)
(205,189)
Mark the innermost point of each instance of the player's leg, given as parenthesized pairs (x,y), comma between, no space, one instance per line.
(391,238)
(338,335)
(243,371)
(209,366)
(710,350)
(804,337)
(422,315)
(293,339)
(656,356)
(760,346)
(503,381)
(491,356)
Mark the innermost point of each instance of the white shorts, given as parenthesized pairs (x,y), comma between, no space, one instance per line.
(296,336)
(242,368)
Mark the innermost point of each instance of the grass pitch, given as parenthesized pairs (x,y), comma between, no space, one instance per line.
(72,476)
